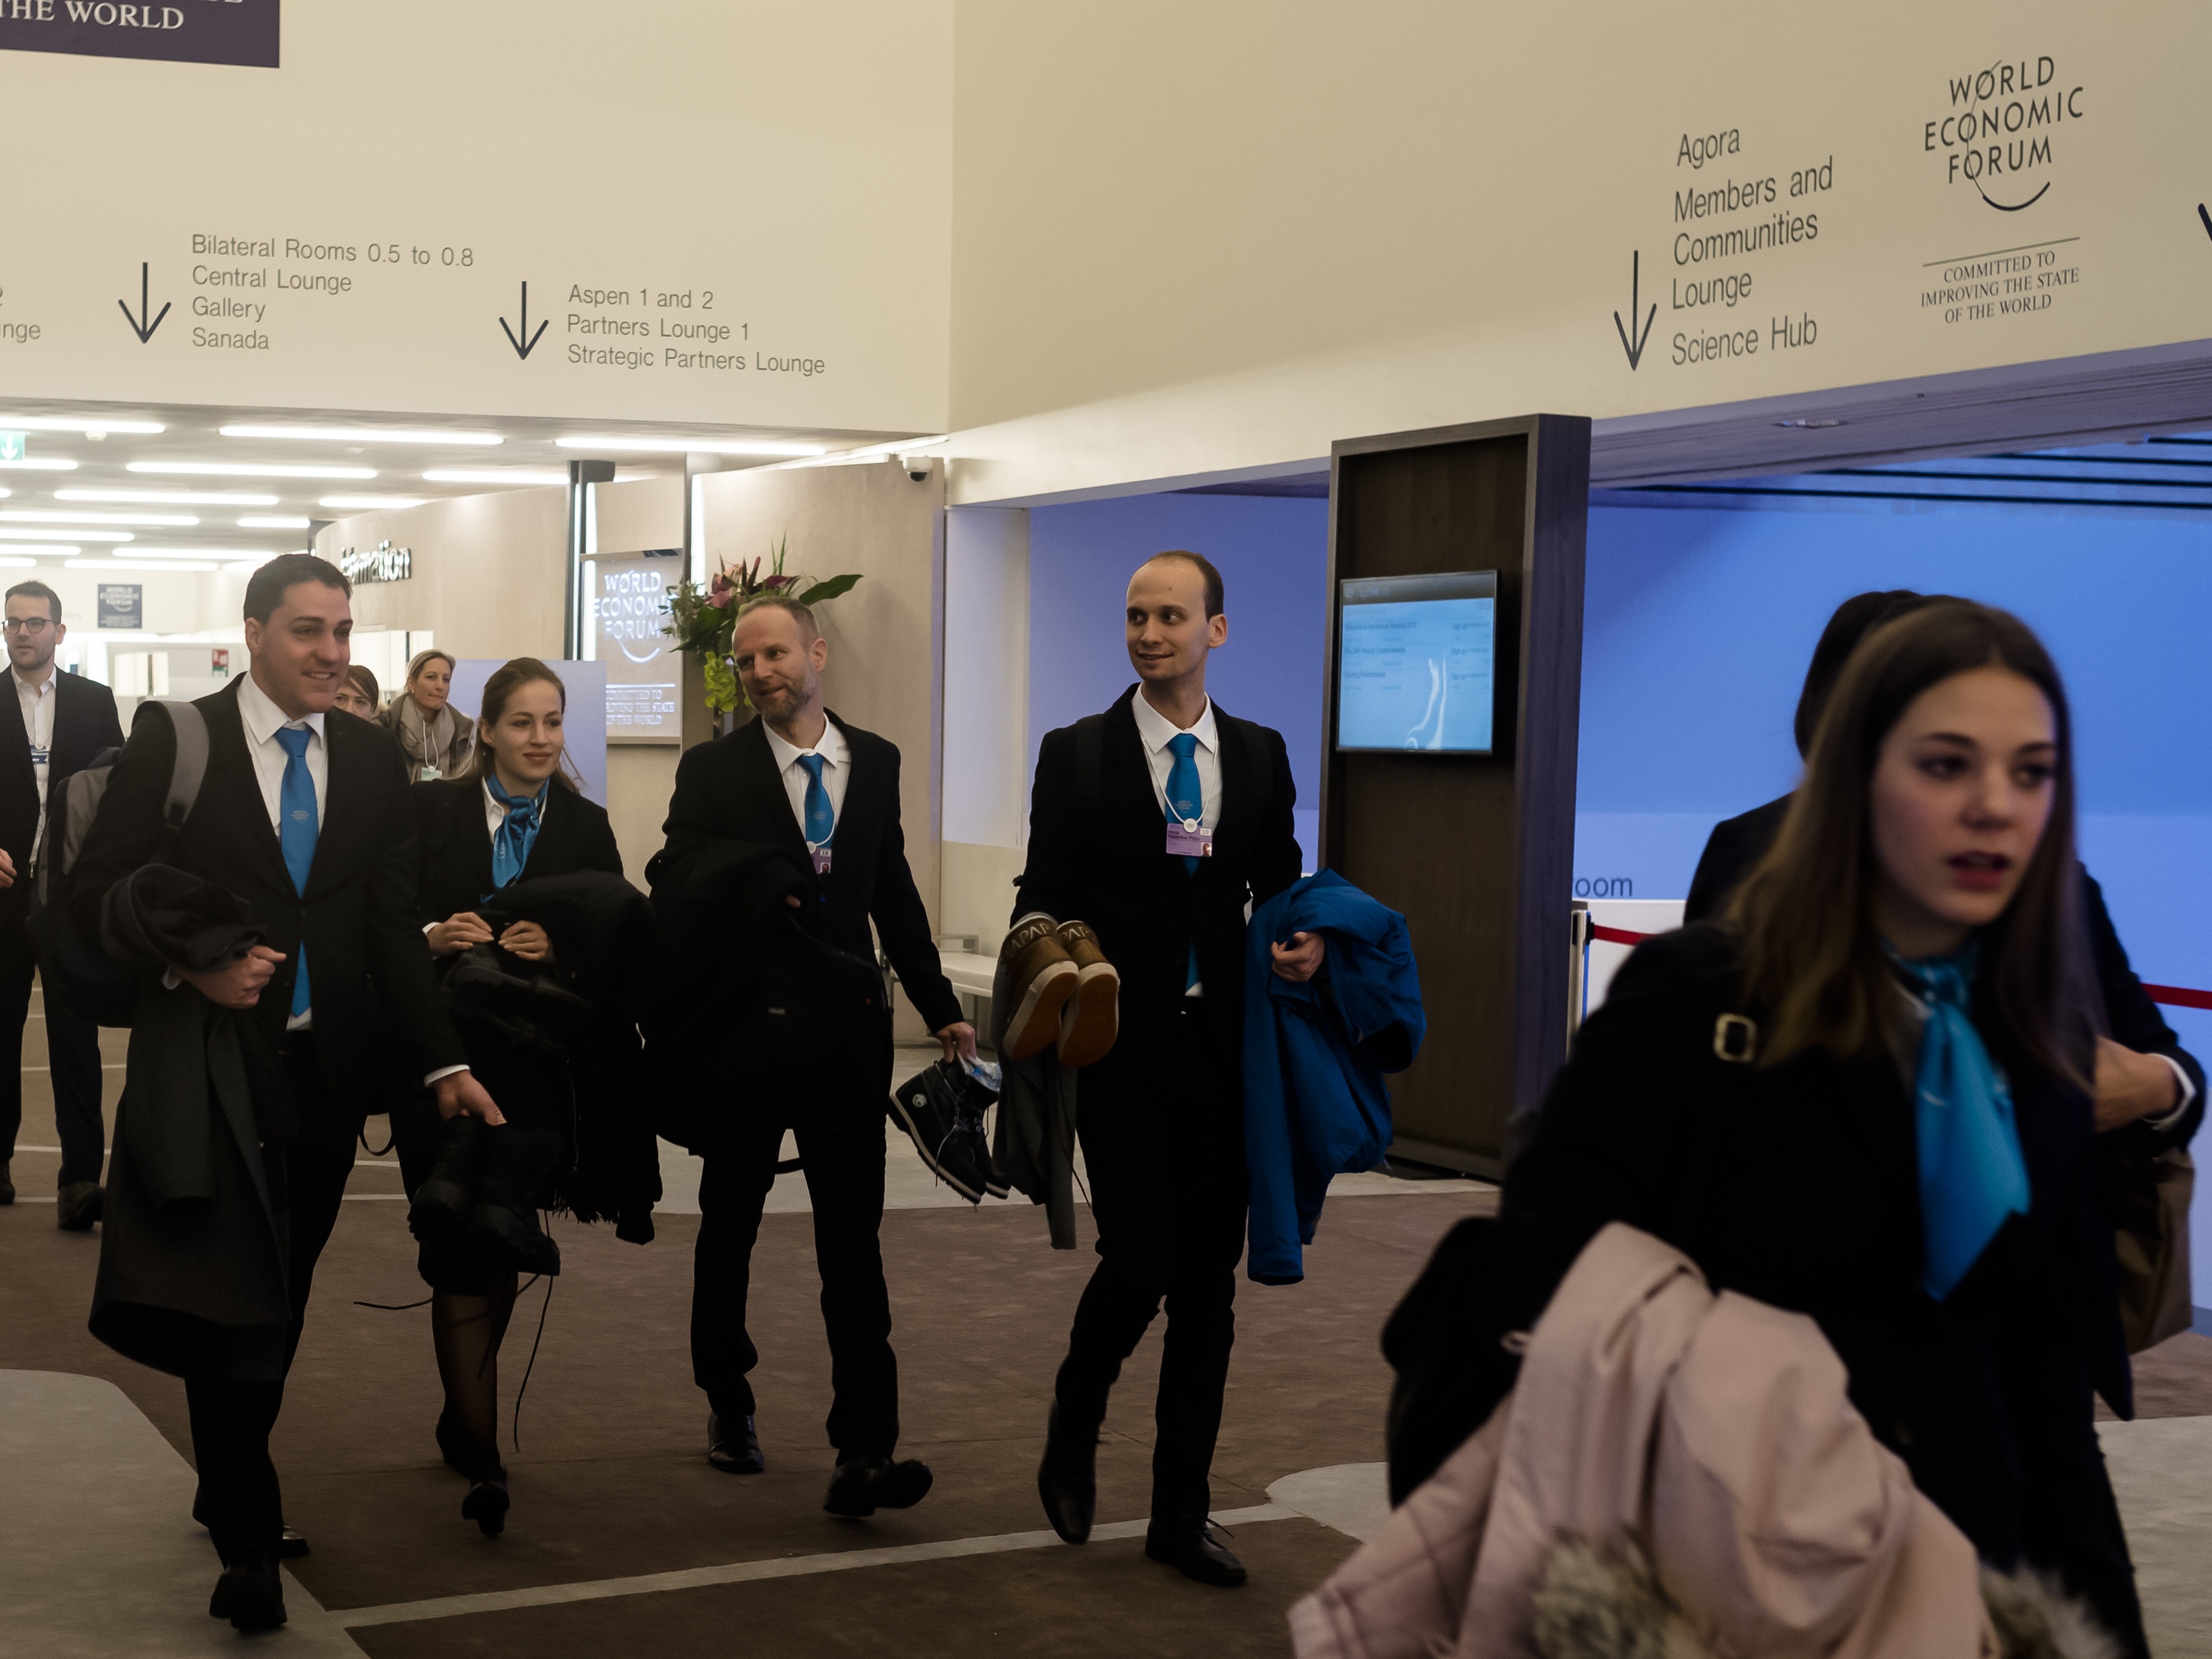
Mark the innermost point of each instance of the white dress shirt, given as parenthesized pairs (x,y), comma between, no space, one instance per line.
(38,699)
(835,774)
(1156,730)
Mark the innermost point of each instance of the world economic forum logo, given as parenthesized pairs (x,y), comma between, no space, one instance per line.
(2001,133)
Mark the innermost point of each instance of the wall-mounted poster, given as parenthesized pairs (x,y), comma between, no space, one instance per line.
(629,607)
(123,605)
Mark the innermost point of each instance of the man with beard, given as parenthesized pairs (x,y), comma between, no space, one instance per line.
(802,779)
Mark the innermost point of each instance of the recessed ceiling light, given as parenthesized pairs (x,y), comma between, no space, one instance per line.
(368,503)
(72,423)
(1809,426)
(194,553)
(693,446)
(24,515)
(24,533)
(40,463)
(362,434)
(22,564)
(258,521)
(174,497)
(27,553)
(493,475)
(246,469)
(133,564)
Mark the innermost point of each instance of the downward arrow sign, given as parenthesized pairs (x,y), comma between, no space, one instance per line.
(521,349)
(139,325)
(1634,348)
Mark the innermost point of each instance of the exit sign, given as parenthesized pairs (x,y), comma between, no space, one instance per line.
(11,445)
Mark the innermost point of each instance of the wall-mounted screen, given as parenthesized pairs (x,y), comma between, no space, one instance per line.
(1414,663)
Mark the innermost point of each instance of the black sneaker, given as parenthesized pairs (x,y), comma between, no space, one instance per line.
(941,1110)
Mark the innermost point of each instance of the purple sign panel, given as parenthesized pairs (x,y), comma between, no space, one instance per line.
(176,30)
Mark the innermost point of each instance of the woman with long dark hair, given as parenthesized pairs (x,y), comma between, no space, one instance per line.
(1864,1095)
(515,817)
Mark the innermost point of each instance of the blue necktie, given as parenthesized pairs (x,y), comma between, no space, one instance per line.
(1186,801)
(295,832)
(821,822)
(1973,1175)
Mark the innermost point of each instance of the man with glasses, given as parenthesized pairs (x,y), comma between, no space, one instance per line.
(67,720)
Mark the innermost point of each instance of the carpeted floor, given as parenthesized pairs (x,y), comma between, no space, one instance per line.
(609,1481)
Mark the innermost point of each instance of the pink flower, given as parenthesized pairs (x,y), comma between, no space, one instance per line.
(720,597)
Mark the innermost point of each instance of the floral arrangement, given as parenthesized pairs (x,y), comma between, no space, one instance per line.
(701,620)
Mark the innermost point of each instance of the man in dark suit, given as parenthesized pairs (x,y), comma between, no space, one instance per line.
(1185,822)
(2147,1083)
(801,779)
(304,819)
(67,720)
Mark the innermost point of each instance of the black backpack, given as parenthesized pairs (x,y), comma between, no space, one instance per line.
(93,985)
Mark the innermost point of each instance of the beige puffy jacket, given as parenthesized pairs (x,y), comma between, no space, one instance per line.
(1701,1450)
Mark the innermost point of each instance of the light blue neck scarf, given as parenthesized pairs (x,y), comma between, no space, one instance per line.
(1971,1173)
(518,832)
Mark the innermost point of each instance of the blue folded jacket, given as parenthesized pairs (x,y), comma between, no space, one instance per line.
(1315,1102)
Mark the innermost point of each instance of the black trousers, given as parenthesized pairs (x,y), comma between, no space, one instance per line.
(239,1501)
(841,1144)
(1162,1123)
(72,1052)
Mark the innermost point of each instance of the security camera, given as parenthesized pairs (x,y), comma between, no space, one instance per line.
(917,467)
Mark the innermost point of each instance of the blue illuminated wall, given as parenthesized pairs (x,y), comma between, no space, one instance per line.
(1273,554)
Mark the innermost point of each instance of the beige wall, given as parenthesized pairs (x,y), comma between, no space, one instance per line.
(1191,240)
(487,571)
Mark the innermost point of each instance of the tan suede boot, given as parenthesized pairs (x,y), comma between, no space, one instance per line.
(1091,1018)
(1040,979)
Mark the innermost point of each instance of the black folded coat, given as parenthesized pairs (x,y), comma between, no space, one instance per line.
(191,1277)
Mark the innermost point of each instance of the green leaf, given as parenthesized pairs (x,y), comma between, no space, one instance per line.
(829,590)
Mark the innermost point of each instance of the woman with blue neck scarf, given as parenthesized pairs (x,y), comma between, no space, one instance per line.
(1864,1095)
(514,814)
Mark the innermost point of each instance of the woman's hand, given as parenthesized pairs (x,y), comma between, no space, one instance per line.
(2132,1086)
(7,869)
(457,933)
(527,941)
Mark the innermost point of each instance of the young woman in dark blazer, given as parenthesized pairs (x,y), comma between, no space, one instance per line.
(515,815)
(1864,1095)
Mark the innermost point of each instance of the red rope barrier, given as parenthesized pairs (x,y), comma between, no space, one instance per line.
(2173,996)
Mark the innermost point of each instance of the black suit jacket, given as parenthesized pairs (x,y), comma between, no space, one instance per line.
(1101,857)
(84,725)
(371,974)
(1798,1184)
(730,790)
(454,847)
(2132,1018)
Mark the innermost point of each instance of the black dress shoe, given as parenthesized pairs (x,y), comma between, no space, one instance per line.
(867,1483)
(1067,1479)
(732,1446)
(1196,1552)
(78,1206)
(291,1544)
(487,1505)
(249,1593)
